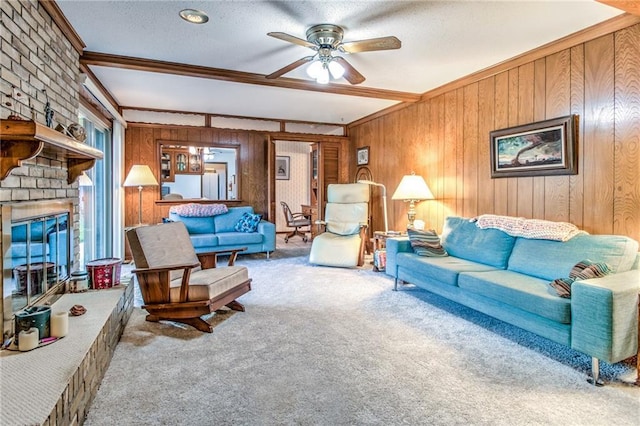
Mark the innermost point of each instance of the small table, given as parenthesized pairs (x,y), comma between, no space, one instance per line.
(380,242)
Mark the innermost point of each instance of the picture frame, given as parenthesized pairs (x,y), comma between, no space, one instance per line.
(543,148)
(283,163)
(362,156)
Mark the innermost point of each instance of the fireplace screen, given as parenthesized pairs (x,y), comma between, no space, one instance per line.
(39,256)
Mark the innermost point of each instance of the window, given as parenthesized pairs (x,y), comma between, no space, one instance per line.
(96,195)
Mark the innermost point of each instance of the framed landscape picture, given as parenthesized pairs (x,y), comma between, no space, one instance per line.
(538,149)
(282,167)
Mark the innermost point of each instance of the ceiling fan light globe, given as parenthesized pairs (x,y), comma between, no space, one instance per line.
(337,70)
(314,69)
(323,77)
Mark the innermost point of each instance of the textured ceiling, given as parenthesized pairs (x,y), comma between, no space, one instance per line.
(441,41)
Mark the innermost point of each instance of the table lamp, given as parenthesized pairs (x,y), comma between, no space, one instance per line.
(412,189)
(384,201)
(140,175)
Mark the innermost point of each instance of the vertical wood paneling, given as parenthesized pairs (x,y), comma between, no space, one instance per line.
(486,102)
(539,114)
(470,147)
(449,166)
(598,80)
(626,203)
(576,182)
(525,115)
(599,132)
(557,105)
(512,183)
(460,182)
(501,121)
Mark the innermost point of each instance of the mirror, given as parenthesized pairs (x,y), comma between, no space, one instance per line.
(196,170)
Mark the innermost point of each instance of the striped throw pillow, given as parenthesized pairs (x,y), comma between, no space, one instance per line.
(582,270)
(426,243)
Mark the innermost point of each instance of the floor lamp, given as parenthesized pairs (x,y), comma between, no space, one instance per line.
(140,175)
(384,201)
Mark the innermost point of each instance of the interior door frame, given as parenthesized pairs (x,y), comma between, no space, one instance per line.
(300,137)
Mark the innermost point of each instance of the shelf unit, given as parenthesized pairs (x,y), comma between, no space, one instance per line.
(24,140)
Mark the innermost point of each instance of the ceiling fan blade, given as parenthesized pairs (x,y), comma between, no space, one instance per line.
(350,73)
(381,43)
(292,39)
(290,67)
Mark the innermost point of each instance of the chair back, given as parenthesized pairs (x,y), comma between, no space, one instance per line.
(160,245)
(287,213)
(347,208)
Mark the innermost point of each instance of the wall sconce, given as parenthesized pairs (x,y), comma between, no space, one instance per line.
(412,189)
(384,201)
(140,175)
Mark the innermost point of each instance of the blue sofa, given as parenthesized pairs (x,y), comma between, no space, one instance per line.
(216,233)
(508,278)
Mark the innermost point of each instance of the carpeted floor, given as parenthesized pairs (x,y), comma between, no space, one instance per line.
(324,346)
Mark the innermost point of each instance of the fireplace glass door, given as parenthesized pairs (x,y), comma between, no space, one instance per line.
(40,249)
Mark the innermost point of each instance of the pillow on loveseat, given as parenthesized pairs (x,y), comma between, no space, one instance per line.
(248,222)
(582,270)
(426,243)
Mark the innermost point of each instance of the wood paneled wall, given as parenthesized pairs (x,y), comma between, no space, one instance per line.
(445,139)
(141,148)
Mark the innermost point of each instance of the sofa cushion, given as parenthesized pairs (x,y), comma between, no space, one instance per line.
(554,259)
(227,222)
(248,222)
(195,225)
(462,238)
(426,243)
(239,238)
(521,291)
(204,240)
(443,269)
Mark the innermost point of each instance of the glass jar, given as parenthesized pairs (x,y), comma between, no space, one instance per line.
(78,282)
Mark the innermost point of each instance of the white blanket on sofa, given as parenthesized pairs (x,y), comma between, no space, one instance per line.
(529,228)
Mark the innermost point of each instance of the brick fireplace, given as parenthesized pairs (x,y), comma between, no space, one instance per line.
(41,64)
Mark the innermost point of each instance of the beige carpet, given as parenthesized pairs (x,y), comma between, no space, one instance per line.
(323,346)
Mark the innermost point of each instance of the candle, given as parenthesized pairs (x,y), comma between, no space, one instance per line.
(28,339)
(59,324)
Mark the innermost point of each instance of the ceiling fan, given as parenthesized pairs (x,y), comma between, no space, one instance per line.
(326,39)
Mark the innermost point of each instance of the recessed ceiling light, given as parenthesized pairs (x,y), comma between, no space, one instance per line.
(194,16)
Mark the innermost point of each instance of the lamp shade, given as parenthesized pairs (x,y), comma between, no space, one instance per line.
(140,175)
(412,187)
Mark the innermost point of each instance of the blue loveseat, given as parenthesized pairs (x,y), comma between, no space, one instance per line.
(217,233)
(508,278)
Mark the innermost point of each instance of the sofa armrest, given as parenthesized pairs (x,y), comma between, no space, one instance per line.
(394,246)
(268,230)
(604,316)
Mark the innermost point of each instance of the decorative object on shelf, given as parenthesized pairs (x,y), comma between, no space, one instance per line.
(79,282)
(77,310)
(384,201)
(74,131)
(35,316)
(27,339)
(363,156)
(282,167)
(59,324)
(538,149)
(412,189)
(140,175)
(104,273)
(48,111)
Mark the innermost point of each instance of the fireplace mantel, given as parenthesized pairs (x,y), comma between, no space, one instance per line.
(23,140)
